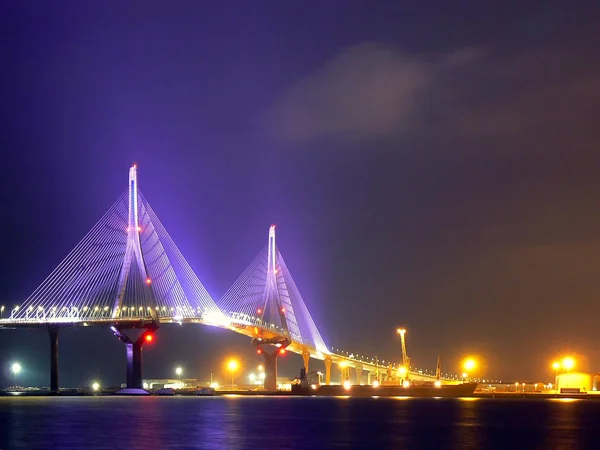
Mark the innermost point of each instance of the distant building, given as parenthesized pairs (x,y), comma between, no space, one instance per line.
(166,383)
(585,382)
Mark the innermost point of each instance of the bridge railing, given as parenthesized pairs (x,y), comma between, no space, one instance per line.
(97,313)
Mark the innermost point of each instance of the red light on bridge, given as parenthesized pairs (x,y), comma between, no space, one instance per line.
(149,338)
(148,281)
(259,311)
(139,228)
(282,310)
(259,351)
(282,351)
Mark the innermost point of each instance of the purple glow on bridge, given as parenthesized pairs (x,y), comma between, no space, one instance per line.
(126,268)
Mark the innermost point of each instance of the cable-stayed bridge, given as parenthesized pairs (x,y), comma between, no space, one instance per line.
(128,273)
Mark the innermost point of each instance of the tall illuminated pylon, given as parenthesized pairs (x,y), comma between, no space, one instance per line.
(273,301)
(133,252)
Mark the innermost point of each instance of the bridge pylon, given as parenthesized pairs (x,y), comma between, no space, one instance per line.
(266,305)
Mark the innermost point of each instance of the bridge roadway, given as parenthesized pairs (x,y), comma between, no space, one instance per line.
(254,328)
(251,327)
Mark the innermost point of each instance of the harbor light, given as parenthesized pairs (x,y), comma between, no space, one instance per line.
(469,364)
(438,383)
(232,366)
(347,385)
(568,363)
(406,384)
(95,386)
(16,368)
(252,377)
(376,383)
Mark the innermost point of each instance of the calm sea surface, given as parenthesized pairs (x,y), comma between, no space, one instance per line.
(296,423)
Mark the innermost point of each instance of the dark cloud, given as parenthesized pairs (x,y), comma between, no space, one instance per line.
(373,91)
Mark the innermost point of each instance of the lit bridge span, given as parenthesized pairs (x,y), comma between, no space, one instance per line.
(127,273)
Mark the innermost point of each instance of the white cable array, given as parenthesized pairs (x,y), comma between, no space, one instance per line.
(85,285)
(77,287)
(197,297)
(306,324)
(250,300)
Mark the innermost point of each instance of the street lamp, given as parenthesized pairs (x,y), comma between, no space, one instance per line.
(1,311)
(568,363)
(95,386)
(556,366)
(469,364)
(179,371)
(232,365)
(15,368)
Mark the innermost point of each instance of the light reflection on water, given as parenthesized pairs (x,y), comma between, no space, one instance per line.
(98,423)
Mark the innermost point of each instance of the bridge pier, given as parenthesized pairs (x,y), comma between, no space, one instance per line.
(134,356)
(328,362)
(53,333)
(270,383)
(358,375)
(270,370)
(305,358)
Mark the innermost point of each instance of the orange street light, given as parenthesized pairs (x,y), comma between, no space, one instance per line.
(232,366)
(568,363)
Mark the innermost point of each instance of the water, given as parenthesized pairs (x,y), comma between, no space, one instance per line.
(296,423)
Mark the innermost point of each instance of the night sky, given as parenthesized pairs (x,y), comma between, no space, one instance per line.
(428,164)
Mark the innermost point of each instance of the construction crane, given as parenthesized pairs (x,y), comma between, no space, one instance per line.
(405,358)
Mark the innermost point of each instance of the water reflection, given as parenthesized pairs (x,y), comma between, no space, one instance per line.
(468,425)
(294,422)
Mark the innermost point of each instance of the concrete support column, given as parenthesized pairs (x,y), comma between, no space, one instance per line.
(134,364)
(270,383)
(134,357)
(305,358)
(270,370)
(369,376)
(358,375)
(53,333)
(328,370)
